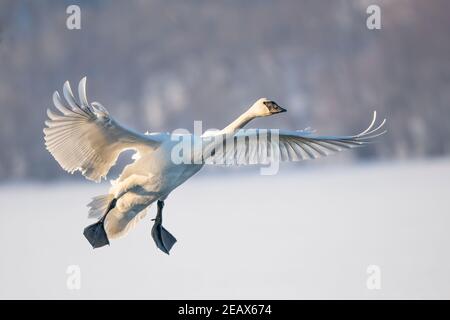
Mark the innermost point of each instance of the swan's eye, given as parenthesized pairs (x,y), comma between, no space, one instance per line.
(273,107)
(270,105)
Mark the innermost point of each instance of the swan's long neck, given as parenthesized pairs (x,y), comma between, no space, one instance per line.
(239,123)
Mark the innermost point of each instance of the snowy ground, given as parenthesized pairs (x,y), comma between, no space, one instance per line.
(306,233)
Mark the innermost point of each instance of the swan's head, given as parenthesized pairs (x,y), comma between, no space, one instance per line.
(265,107)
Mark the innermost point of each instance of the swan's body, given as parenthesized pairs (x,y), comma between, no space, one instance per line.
(85,138)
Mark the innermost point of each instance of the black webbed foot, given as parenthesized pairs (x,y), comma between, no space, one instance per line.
(164,239)
(95,233)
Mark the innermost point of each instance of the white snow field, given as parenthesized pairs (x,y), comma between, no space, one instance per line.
(304,233)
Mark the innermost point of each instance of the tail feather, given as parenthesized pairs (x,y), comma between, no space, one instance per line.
(99,205)
(118,224)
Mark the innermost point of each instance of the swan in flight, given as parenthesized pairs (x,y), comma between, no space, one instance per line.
(84,137)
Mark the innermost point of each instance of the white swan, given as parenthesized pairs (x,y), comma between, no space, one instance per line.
(84,137)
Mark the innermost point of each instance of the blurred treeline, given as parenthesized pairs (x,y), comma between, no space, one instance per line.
(159,65)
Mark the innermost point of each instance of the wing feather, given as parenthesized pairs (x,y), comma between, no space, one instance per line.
(86,138)
(261,145)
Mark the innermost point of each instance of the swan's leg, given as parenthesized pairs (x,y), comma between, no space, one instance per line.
(95,233)
(164,239)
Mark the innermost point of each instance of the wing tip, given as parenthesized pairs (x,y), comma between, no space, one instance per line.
(66,84)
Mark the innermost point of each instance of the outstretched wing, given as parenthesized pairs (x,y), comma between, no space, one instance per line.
(263,146)
(85,137)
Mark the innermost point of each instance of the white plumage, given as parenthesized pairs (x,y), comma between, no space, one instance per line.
(84,137)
